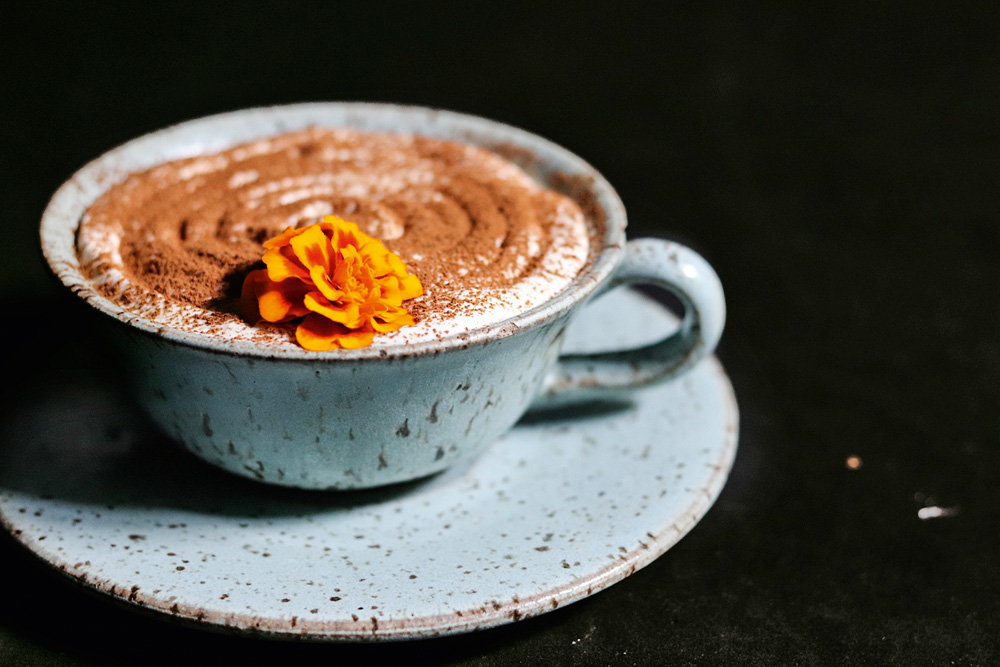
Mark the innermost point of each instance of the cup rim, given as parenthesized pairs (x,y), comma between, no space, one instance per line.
(214,133)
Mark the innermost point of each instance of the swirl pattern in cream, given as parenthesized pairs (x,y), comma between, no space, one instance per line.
(173,243)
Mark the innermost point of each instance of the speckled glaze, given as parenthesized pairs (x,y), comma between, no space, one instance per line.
(350,419)
(568,503)
(339,425)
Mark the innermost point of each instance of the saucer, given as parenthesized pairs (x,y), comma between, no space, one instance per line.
(561,507)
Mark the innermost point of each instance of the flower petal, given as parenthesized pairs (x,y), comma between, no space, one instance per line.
(349,314)
(280,301)
(320,334)
(248,296)
(282,239)
(396,265)
(411,287)
(282,264)
(312,247)
(321,280)
(395,291)
(391,320)
(345,233)
(379,260)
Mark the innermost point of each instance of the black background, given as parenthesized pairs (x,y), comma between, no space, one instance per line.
(837,164)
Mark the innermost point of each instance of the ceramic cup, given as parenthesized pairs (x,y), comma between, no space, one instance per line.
(349,419)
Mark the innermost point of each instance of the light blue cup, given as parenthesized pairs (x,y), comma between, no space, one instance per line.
(349,419)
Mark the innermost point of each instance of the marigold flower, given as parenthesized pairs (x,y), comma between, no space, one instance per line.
(343,284)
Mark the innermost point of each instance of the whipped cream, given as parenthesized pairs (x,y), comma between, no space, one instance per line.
(172,244)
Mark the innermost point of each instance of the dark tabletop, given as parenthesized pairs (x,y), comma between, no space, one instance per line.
(838,166)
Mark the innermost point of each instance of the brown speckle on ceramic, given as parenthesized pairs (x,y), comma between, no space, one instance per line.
(563,506)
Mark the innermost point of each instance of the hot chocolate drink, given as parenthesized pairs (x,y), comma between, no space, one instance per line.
(173,244)
(165,233)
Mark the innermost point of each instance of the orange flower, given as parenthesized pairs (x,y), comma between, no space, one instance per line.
(345,285)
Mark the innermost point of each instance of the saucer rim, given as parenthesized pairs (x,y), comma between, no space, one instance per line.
(447,624)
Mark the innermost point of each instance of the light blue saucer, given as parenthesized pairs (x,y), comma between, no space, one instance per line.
(563,506)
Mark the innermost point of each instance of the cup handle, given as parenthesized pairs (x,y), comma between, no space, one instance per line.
(682,271)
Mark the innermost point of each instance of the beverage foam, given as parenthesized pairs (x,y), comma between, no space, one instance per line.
(173,243)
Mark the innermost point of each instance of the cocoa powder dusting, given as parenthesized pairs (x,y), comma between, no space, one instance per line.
(460,217)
